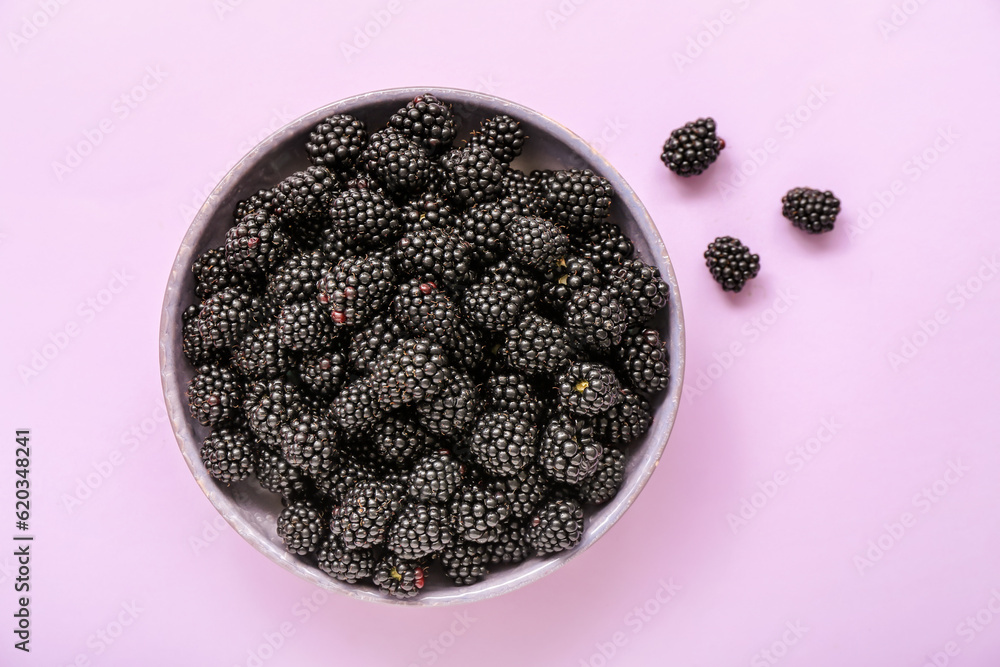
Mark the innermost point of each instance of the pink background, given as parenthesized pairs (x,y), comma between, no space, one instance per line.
(885,346)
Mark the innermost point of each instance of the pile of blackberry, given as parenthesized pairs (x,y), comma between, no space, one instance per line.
(437,360)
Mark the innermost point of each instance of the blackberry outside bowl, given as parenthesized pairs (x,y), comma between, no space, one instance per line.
(251,510)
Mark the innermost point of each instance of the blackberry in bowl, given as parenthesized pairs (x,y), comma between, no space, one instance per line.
(434,366)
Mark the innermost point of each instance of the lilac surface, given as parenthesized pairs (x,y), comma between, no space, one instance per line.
(89,251)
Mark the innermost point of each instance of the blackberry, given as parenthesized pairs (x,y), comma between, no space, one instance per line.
(309,442)
(300,527)
(419,531)
(427,211)
(425,311)
(524,490)
(465,563)
(513,394)
(639,287)
(256,243)
(212,274)
(428,121)
(502,136)
(365,514)
(398,163)
(364,219)
(471,175)
(452,409)
(691,149)
(349,565)
(536,243)
(502,444)
(557,526)
(465,348)
(620,424)
(196,350)
(413,371)
(357,408)
(603,485)
(305,327)
(228,452)
(568,452)
(565,278)
(731,263)
(262,200)
(436,251)
(494,307)
(576,199)
(295,279)
(399,578)
(538,346)
(356,288)
(518,195)
(595,319)
(305,196)
(260,355)
(336,142)
(268,406)
(323,373)
(435,477)
(588,388)
(644,360)
(400,439)
(215,394)
(512,547)
(812,211)
(380,335)
(605,245)
(225,316)
(515,277)
(345,474)
(483,228)
(479,513)
(277,475)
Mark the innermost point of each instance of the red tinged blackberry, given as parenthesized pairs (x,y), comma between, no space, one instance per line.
(465,563)
(595,319)
(415,370)
(356,288)
(336,142)
(400,440)
(365,514)
(494,307)
(349,565)
(471,175)
(226,316)
(478,513)
(621,424)
(301,527)
(215,394)
(435,251)
(256,243)
(502,136)
(323,373)
(399,578)
(428,121)
(588,388)
(639,287)
(260,354)
(557,526)
(568,452)
(366,345)
(364,219)
(576,199)
(306,327)
(228,453)
(295,279)
(425,311)
(689,150)
(309,442)
(538,346)
(645,360)
(277,475)
(399,164)
(503,444)
(604,484)
(731,263)
(812,211)
(419,531)
(435,477)
(451,410)
(536,243)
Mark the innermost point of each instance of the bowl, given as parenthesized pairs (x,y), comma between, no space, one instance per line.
(250,510)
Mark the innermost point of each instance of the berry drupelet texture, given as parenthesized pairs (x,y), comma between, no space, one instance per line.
(731,263)
(810,210)
(691,149)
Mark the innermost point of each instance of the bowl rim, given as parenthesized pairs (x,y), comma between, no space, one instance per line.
(175,393)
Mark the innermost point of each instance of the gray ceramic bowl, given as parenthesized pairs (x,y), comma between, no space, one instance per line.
(251,510)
